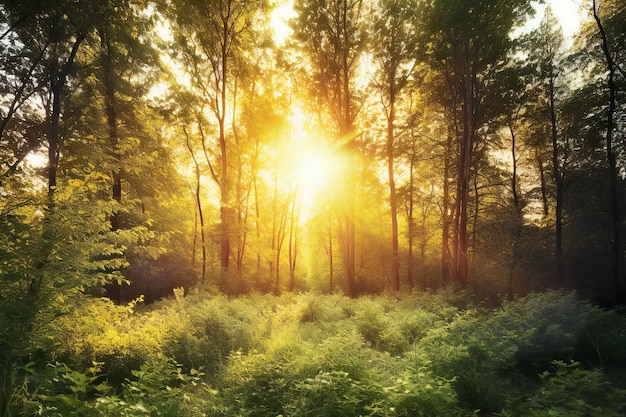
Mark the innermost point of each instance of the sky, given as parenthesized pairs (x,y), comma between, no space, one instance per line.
(568,12)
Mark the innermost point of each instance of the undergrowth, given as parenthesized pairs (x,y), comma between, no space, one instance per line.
(205,354)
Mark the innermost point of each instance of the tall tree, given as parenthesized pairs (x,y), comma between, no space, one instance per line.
(394,39)
(468,43)
(209,43)
(332,35)
(612,69)
(546,60)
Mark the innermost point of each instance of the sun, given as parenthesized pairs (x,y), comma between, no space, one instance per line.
(316,174)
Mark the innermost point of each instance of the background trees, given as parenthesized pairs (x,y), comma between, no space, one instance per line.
(477,153)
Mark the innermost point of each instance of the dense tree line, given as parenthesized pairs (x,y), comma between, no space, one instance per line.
(472,152)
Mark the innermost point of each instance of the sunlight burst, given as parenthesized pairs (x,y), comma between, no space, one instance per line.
(316,172)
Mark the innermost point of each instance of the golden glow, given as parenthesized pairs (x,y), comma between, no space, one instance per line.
(315,171)
(279,21)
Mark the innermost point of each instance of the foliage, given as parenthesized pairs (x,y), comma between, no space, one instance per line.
(569,390)
(298,355)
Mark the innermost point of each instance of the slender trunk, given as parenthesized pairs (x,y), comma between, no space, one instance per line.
(114,288)
(475,218)
(257,209)
(330,253)
(58,87)
(544,187)
(225,208)
(395,260)
(411,221)
(199,208)
(110,110)
(293,242)
(201,218)
(446,259)
(612,166)
(518,217)
(280,239)
(346,130)
(559,182)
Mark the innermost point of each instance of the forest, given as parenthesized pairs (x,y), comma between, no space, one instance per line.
(312,208)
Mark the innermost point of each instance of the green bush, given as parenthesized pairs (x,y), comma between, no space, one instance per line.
(207,329)
(545,326)
(602,338)
(568,390)
(420,394)
(479,357)
(335,394)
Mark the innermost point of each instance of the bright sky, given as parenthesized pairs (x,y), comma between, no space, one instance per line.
(568,12)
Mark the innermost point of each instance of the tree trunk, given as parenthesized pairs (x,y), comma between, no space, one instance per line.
(544,187)
(411,220)
(559,182)
(199,207)
(612,166)
(57,89)
(393,199)
(293,242)
(518,217)
(460,262)
(446,258)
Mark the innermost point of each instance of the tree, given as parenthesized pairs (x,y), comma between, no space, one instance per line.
(612,69)
(547,47)
(331,33)
(209,41)
(394,36)
(468,42)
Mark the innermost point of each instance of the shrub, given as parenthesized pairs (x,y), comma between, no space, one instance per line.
(476,355)
(546,327)
(568,390)
(334,394)
(376,328)
(603,338)
(420,394)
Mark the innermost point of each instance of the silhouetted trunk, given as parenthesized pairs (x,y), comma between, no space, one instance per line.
(446,258)
(57,89)
(199,208)
(293,241)
(559,182)
(459,256)
(612,165)
(518,217)
(544,187)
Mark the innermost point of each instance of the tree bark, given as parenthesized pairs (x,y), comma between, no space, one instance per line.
(612,164)
(559,182)
(57,89)
(393,199)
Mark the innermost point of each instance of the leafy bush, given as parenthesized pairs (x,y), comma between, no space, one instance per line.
(603,338)
(545,326)
(476,355)
(571,391)
(334,394)
(207,330)
(419,394)
(299,355)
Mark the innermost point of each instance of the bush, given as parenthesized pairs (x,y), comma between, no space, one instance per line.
(545,326)
(568,390)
